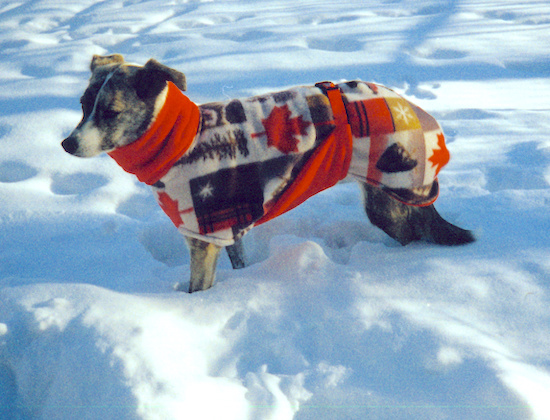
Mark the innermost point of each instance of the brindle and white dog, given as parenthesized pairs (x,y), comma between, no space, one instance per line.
(219,169)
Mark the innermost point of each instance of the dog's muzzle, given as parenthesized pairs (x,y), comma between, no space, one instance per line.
(70,145)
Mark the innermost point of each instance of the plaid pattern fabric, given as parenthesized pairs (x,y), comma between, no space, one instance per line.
(227,199)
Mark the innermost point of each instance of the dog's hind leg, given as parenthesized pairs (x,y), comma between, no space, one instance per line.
(204,258)
(236,254)
(407,223)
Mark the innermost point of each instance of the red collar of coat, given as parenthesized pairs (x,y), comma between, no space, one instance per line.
(152,155)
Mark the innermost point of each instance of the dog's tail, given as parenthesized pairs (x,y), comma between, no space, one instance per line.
(406,223)
(432,227)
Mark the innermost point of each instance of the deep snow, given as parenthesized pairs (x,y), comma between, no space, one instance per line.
(333,319)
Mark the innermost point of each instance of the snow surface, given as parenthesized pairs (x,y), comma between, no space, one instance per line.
(333,320)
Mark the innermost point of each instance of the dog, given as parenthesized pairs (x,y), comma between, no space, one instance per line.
(221,168)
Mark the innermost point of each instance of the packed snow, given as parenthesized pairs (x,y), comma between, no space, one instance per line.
(332,319)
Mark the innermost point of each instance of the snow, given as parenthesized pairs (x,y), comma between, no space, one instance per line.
(332,319)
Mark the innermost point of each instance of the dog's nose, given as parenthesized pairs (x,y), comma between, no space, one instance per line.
(70,145)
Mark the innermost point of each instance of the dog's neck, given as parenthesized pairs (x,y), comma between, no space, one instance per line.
(168,138)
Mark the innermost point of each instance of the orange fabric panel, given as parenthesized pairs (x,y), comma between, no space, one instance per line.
(328,164)
(370,117)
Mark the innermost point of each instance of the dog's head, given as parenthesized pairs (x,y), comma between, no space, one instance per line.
(120,103)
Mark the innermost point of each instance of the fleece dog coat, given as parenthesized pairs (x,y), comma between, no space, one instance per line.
(220,169)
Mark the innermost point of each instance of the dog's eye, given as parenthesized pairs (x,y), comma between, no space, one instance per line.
(109,114)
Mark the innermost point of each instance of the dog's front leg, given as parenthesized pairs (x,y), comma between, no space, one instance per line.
(204,258)
(236,254)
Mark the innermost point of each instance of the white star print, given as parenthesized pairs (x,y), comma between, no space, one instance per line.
(206,191)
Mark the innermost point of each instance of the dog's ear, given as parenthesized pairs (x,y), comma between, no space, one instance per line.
(103,60)
(152,78)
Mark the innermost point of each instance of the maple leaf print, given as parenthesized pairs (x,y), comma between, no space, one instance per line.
(281,130)
(440,156)
(170,207)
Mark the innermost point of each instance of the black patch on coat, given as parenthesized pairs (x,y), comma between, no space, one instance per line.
(234,112)
(228,198)
(282,97)
(396,159)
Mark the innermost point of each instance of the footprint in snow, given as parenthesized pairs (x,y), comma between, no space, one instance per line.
(139,207)
(435,9)
(165,244)
(254,35)
(15,171)
(469,114)
(335,44)
(339,19)
(79,183)
(505,15)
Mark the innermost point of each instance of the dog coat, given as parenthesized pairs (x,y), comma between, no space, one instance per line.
(221,168)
